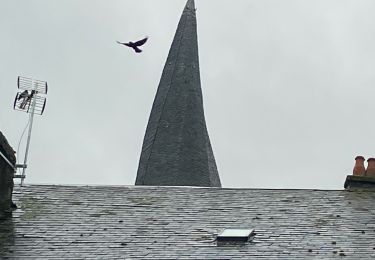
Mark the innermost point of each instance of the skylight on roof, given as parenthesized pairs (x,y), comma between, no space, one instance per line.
(235,234)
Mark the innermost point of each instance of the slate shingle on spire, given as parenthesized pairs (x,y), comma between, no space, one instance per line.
(176,148)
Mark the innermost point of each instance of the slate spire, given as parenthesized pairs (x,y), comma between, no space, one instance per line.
(176,148)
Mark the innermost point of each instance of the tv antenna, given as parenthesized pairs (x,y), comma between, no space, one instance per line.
(30,98)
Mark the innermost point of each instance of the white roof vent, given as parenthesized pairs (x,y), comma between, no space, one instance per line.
(235,235)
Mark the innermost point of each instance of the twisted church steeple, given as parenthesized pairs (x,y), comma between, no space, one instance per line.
(176,149)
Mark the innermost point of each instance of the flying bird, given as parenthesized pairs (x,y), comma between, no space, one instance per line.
(135,45)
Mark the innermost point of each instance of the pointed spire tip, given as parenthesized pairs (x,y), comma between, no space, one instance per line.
(190,4)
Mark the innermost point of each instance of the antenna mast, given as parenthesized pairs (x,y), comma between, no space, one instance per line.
(30,98)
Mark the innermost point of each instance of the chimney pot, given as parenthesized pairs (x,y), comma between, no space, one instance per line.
(370,171)
(359,167)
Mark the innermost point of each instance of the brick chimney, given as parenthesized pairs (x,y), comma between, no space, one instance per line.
(362,178)
(359,167)
(370,171)
(6,175)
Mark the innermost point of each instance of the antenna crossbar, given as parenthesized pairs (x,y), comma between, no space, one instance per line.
(30,84)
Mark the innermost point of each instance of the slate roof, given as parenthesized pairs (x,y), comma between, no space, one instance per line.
(143,222)
(176,148)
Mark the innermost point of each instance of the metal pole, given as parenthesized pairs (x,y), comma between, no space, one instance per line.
(29,134)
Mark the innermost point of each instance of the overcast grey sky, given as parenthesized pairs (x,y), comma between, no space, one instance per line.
(288,86)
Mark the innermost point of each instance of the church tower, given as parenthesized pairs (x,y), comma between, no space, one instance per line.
(176,148)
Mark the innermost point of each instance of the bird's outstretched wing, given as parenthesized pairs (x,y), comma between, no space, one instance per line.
(141,42)
(127,44)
